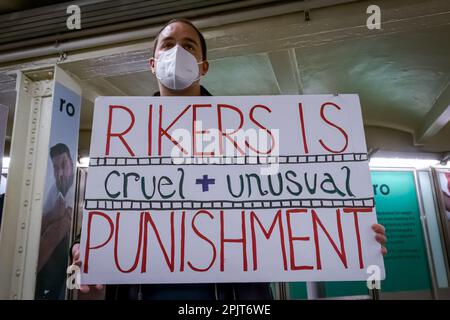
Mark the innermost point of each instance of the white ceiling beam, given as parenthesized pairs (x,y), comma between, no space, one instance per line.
(436,118)
(285,68)
(101,87)
(89,93)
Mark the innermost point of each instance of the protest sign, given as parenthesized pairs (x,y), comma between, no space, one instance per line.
(228,189)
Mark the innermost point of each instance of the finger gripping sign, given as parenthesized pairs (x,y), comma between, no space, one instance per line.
(228,189)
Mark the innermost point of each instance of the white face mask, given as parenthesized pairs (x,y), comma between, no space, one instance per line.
(177,68)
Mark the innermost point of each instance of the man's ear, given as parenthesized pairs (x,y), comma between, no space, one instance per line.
(204,67)
(151,62)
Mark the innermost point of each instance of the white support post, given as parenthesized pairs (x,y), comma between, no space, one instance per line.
(20,233)
(315,290)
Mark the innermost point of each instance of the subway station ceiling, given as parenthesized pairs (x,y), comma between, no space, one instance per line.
(400,72)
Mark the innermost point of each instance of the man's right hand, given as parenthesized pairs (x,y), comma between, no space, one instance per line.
(98,288)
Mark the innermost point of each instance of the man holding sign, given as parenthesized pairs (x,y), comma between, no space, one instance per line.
(163,208)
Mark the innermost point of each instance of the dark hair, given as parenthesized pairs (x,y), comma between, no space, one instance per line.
(200,35)
(59,149)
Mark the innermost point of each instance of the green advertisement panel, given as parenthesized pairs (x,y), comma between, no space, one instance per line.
(406,262)
(398,210)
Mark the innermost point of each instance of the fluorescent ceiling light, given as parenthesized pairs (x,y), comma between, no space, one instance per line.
(402,162)
(83,162)
(443,165)
(5,162)
(374,162)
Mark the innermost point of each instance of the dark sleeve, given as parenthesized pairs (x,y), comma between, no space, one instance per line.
(253,291)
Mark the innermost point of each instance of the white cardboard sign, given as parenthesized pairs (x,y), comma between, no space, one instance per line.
(228,189)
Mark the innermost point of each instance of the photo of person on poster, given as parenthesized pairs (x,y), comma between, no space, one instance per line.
(56,223)
(444,182)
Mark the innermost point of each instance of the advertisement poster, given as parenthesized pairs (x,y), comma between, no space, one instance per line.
(444,191)
(442,177)
(398,211)
(60,193)
(3,124)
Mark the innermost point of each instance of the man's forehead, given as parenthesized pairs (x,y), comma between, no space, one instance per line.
(179,30)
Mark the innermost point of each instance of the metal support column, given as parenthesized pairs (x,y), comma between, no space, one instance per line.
(20,233)
(315,290)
